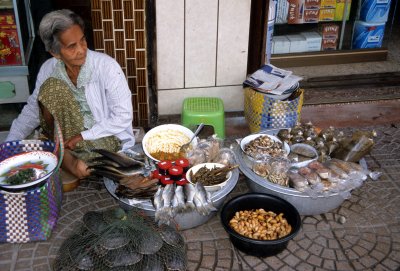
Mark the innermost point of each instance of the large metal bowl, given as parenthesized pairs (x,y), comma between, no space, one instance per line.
(305,204)
(185,220)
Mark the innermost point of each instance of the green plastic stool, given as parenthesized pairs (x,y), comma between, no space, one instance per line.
(207,110)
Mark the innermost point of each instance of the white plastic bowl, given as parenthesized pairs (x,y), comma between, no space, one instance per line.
(252,137)
(46,158)
(306,162)
(210,188)
(163,127)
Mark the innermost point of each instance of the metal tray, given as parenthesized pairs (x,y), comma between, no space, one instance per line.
(305,204)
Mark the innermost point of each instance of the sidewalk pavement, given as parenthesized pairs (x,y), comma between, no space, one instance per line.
(369,239)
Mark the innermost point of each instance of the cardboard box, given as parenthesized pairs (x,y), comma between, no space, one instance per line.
(312,4)
(311,16)
(340,5)
(296,12)
(281,45)
(313,40)
(282,10)
(329,44)
(328,4)
(326,14)
(298,43)
(329,31)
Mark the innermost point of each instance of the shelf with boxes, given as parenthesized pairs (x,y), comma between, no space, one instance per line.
(16,39)
(327,29)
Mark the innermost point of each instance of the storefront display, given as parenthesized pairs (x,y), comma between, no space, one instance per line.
(309,32)
(16,39)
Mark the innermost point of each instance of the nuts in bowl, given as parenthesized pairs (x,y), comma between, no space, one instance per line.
(260,224)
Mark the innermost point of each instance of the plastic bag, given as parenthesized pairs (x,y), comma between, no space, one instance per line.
(210,147)
(226,157)
(353,150)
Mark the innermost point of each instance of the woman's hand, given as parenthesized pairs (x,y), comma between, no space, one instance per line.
(71,143)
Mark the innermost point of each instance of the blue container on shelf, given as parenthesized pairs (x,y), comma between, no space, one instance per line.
(374,11)
(367,35)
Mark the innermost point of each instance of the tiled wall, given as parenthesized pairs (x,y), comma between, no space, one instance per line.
(202,49)
(119,31)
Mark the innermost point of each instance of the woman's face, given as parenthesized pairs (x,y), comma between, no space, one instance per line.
(73,47)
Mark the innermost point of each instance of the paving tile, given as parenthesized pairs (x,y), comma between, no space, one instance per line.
(368,240)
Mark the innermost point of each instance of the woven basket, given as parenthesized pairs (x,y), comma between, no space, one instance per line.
(32,214)
(262,112)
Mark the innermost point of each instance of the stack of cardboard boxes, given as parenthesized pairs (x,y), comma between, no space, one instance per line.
(10,53)
(311,11)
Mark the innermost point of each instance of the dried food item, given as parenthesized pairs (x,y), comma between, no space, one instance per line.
(226,156)
(304,150)
(260,224)
(210,147)
(299,138)
(337,170)
(328,134)
(297,181)
(360,145)
(197,156)
(284,135)
(262,168)
(310,175)
(322,171)
(278,173)
(274,170)
(266,146)
(211,176)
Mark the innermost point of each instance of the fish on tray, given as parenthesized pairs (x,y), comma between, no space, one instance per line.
(137,186)
(121,159)
(115,166)
(202,200)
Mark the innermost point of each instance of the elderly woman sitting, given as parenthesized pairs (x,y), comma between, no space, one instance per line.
(85,91)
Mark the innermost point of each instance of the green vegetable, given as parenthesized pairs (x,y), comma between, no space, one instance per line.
(21,177)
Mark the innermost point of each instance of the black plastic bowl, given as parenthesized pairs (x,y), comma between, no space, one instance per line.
(260,248)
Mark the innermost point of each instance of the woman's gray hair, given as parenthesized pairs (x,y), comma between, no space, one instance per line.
(53,24)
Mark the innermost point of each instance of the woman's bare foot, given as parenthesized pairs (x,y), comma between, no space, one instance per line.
(74,165)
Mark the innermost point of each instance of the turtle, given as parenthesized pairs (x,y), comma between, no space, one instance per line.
(94,222)
(122,240)
(171,236)
(152,263)
(148,242)
(174,258)
(124,256)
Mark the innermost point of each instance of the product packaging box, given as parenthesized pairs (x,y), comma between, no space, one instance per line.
(340,8)
(329,31)
(296,12)
(367,35)
(311,16)
(298,43)
(328,4)
(312,4)
(10,52)
(281,45)
(374,11)
(282,10)
(326,14)
(329,44)
(313,40)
